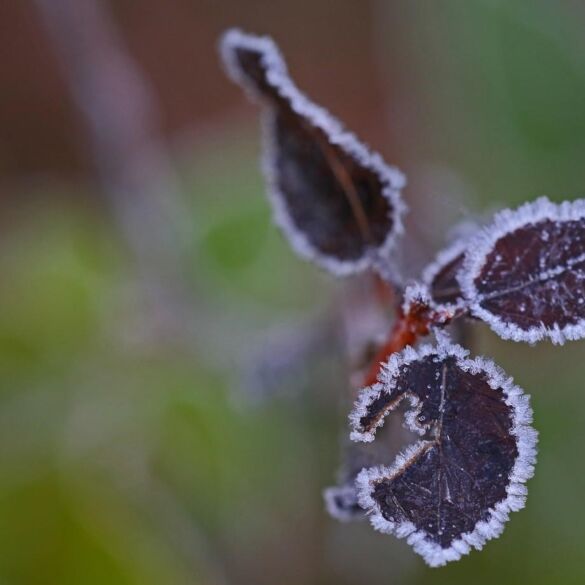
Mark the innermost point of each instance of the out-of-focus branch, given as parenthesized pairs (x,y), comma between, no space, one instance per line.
(121,116)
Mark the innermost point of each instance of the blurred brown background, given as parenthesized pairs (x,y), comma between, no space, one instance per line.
(173,43)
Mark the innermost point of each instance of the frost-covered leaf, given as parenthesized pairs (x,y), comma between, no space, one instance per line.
(525,275)
(453,489)
(342,503)
(441,275)
(337,202)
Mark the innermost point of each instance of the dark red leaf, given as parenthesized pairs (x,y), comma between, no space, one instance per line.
(338,203)
(525,275)
(453,489)
(441,275)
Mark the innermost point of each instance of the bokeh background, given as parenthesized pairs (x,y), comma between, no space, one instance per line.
(171,399)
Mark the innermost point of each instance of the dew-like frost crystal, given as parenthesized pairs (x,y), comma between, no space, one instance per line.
(338,203)
(525,275)
(454,488)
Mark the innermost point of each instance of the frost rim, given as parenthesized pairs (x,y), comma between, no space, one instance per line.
(523,469)
(444,257)
(392,179)
(341,491)
(506,222)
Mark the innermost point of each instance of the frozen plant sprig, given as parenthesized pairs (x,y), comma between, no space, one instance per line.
(340,205)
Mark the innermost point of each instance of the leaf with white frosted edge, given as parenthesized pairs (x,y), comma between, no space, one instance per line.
(338,203)
(454,488)
(342,502)
(525,274)
(440,276)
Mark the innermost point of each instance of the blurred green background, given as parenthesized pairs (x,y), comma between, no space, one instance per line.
(161,420)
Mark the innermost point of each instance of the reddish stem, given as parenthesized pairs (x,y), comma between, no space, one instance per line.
(407,329)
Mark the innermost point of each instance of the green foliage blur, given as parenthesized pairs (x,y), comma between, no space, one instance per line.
(129,459)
